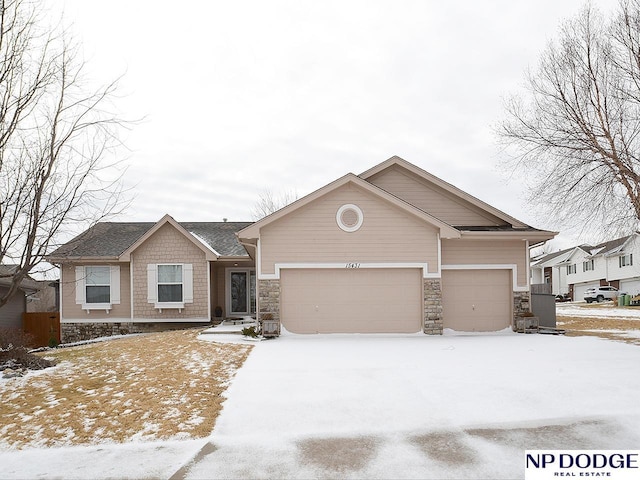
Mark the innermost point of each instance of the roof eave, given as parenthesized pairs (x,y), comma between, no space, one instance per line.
(537,235)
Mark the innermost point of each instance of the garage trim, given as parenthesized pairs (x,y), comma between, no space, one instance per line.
(512,267)
(348,265)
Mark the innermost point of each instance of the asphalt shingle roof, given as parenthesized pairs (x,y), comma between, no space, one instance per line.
(111,239)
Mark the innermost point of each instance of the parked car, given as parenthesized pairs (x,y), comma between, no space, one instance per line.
(599,294)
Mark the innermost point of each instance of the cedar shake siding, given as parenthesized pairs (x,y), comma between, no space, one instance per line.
(168,246)
(310,234)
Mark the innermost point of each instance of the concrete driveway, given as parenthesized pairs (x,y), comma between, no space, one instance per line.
(414,406)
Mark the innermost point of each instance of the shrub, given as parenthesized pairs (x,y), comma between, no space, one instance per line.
(14,351)
(250,332)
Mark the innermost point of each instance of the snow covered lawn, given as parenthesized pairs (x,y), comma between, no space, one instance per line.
(387,406)
(158,386)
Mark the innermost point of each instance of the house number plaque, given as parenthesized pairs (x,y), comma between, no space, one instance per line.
(352,265)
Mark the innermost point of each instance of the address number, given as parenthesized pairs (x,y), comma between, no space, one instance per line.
(352,265)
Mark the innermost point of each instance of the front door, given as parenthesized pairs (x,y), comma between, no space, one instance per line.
(241,296)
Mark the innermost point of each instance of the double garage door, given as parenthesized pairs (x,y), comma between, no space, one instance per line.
(391,300)
(351,300)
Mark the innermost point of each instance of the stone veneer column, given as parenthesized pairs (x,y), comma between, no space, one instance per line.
(521,303)
(269,298)
(432,306)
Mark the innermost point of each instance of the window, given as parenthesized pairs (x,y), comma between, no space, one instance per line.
(571,269)
(626,260)
(587,266)
(97,287)
(98,284)
(170,283)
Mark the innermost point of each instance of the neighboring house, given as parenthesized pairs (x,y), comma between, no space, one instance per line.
(11,312)
(574,270)
(394,249)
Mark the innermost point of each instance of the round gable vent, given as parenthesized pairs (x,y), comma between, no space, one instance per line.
(349,217)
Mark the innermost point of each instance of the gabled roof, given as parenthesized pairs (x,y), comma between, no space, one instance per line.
(555,258)
(446,231)
(6,274)
(116,240)
(611,247)
(453,190)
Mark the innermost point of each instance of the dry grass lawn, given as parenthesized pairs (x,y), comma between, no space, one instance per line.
(610,328)
(149,387)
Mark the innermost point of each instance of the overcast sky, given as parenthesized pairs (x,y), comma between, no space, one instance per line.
(242,96)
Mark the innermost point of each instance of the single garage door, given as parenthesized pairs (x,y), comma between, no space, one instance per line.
(476,300)
(351,300)
(580,288)
(630,287)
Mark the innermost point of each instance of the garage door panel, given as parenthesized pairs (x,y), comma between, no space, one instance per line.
(351,300)
(476,300)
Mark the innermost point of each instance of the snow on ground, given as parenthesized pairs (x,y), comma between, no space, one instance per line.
(596,310)
(389,406)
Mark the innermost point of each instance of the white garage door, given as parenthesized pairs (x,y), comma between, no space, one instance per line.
(580,288)
(476,300)
(351,300)
(631,287)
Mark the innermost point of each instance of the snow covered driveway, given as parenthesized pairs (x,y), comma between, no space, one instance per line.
(384,406)
(413,406)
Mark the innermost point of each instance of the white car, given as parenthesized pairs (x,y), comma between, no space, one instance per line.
(599,294)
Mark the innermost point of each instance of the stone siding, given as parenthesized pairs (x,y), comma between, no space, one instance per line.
(269,298)
(432,306)
(76,332)
(521,304)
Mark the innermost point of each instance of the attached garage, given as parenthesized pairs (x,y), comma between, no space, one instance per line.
(476,300)
(631,287)
(359,300)
(580,288)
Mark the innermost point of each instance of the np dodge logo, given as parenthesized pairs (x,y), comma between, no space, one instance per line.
(610,464)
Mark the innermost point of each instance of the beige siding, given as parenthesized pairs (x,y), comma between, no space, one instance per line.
(432,199)
(71,310)
(168,245)
(487,252)
(311,234)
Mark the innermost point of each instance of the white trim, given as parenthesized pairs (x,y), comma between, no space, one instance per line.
(348,265)
(359,214)
(507,266)
(133,320)
(131,296)
(209,290)
(227,289)
(96,306)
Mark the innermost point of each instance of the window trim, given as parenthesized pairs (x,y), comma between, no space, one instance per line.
(571,269)
(588,263)
(81,288)
(152,286)
(622,260)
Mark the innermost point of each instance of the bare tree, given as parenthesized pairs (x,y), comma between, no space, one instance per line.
(269,202)
(56,140)
(575,135)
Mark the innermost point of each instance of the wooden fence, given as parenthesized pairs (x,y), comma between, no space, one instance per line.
(43,326)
